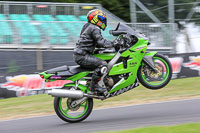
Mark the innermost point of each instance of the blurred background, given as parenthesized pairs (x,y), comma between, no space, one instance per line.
(39,35)
(171,25)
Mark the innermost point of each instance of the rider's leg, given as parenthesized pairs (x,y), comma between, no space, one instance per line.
(100,66)
(96,77)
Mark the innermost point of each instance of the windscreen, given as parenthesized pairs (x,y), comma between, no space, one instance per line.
(122,28)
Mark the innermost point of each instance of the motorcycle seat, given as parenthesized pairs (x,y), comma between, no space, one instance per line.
(67,70)
(58,69)
(78,69)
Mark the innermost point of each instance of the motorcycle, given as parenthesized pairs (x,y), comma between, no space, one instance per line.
(128,65)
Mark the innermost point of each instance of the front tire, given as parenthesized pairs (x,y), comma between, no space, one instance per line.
(62,109)
(153,80)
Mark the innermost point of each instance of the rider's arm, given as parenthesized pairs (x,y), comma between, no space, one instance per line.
(101,42)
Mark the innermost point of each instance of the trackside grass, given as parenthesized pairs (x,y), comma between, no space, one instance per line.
(185,128)
(43,104)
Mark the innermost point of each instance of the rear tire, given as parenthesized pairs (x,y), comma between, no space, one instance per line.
(166,76)
(66,117)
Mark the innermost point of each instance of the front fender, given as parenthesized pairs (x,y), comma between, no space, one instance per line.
(148,59)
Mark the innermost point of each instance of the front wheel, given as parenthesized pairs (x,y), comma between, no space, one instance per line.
(66,112)
(159,79)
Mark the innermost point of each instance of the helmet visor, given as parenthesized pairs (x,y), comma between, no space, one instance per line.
(102,19)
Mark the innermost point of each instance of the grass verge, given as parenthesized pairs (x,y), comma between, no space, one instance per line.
(43,104)
(185,128)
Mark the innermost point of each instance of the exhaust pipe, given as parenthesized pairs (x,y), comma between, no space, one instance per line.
(66,93)
(72,94)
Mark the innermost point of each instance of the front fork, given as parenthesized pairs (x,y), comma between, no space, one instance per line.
(148,59)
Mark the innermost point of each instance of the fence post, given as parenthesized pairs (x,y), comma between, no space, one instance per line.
(53,10)
(30,9)
(6,8)
(76,10)
(39,58)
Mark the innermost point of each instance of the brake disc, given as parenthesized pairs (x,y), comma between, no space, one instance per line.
(151,75)
(159,73)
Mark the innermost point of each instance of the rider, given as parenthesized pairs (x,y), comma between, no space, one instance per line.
(90,38)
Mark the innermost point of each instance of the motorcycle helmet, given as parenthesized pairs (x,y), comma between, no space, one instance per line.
(97,17)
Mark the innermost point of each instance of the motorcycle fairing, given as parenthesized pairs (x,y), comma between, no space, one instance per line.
(105,56)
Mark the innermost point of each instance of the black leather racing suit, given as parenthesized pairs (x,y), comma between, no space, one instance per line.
(90,38)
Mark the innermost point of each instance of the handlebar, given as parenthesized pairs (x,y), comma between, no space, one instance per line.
(116,33)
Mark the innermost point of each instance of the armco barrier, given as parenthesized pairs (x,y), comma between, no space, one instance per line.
(18,69)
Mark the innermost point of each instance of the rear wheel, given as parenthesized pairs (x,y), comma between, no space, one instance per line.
(159,79)
(64,109)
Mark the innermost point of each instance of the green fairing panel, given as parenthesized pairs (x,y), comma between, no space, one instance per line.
(78,76)
(126,53)
(135,54)
(119,68)
(105,56)
(46,75)
(141,44)
(150,54)
(132,64)
(82,87)
(132,67)
(131,79)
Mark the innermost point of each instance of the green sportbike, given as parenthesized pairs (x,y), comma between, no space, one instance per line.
(128,65)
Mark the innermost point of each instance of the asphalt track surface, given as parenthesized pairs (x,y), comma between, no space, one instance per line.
(112,119)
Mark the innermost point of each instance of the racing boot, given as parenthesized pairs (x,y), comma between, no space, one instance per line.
(96,77)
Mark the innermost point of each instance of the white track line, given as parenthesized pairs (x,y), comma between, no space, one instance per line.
(189,99)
